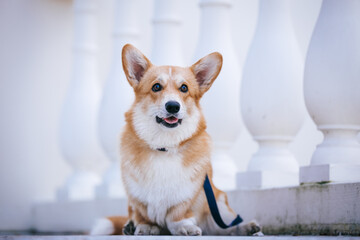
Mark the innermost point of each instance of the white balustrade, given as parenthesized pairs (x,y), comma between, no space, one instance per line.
(78,140)
(271,97)
(221,103)
(167,45)
(332,92)
(117,96)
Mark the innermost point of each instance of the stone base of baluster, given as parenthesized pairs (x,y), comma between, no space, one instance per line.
(79,186)
(330,173)
(70,194)
(224,171)
(114,190)
(74,194)
(266,179)
(111,186)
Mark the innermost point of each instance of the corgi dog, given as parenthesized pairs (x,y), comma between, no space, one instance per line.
(166,152)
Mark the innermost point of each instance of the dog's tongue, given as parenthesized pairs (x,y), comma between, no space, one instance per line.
(171,120)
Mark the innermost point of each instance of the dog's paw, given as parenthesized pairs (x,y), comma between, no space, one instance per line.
(129,228)
(188,230)
(248,229)
(146,229)
(252,227)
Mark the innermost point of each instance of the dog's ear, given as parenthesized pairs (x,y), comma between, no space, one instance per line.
(206,70)
(135,64)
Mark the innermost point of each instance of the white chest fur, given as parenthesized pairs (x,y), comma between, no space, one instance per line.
(164,182)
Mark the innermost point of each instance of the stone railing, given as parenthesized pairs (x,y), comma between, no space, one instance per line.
(272,97)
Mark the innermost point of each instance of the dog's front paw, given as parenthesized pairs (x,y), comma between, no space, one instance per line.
(146,229)
(129,228)
(188,230)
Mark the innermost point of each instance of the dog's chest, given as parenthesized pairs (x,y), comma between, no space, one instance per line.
(161,183)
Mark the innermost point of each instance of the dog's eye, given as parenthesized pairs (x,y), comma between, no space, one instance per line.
(156,87)
(184,88)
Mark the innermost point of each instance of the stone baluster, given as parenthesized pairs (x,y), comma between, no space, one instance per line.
(167,46)
(221,104)
(332,93)
(271,97)
(117,97)
(78,139)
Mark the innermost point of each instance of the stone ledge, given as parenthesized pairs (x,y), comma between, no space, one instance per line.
(75,216)
(330,173)
(314,229)
(310,209)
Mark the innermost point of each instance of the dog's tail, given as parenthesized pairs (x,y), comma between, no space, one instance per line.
(109,226)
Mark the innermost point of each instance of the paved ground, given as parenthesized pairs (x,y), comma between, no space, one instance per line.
(84,237)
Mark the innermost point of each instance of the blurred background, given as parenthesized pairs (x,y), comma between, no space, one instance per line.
(60,61)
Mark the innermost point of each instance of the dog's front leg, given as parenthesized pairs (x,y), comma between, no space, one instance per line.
(143,226)
(180,220)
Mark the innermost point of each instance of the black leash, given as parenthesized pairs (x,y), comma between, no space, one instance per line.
(214,208)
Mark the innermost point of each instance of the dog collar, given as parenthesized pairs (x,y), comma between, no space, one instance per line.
(162,149)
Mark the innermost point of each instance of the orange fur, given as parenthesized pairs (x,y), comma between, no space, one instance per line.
(118,222)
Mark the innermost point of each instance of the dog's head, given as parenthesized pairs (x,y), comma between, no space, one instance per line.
(166,110)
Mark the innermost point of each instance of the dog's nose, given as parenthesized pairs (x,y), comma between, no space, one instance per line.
(172,107)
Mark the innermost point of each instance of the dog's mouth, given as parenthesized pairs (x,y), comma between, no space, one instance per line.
(169,122)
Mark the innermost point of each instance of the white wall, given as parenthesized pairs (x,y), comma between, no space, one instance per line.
(35,68)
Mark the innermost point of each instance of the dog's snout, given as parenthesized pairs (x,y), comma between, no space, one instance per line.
(172,107)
